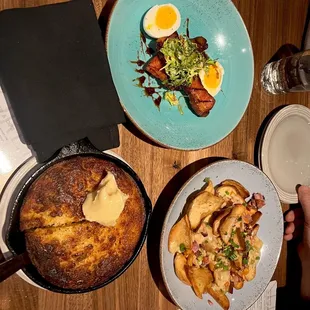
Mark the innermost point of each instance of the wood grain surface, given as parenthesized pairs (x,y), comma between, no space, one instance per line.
(270,25)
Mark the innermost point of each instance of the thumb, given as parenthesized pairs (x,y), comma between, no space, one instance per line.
(304,198)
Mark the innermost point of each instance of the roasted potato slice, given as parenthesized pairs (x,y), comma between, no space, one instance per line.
(222,273)
(200,279)
(179,266)
(237,281)
(202,206)
(230,222)
(205,237)
(208,187)
(222,279)
(180,234)
(226,192)
(211,261)
(243,192)
(249,214)
(238,239)
(219,296)
(237,263)
(255,230)
(251,210)
(192,260)
(257,243)
(253,259)
(229,193)
(255,218)
(218,220)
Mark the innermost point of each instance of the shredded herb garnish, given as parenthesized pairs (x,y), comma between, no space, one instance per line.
(183,60)
(173,100)
(230,253)
(248,246)
(220,264)
(245,261)
(234,244)
(182,247)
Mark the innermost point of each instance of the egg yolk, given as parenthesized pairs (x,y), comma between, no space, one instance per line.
(165,17)
(212,77)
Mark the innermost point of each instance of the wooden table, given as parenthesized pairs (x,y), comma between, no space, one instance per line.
(270,25)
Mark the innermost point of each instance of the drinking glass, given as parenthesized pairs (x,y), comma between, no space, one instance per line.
(289,74)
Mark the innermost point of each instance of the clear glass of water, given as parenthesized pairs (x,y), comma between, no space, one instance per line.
(289,74)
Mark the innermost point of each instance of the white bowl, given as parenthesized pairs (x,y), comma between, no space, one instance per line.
(270,232)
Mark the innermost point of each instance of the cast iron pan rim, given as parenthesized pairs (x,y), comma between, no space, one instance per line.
(147,205)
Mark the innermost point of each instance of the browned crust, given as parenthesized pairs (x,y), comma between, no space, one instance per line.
(201,101)
(83,254)
(155,67)
(160,41)
(56,198)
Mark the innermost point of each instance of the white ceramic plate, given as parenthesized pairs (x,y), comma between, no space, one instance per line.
(270,232)
(4,203)
(285,151)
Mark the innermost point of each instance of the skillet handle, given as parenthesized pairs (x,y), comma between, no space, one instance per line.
(79,147)
(10,266)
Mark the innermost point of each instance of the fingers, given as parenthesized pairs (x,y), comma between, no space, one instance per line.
(290,216)
(304,198)
(294,224)
(290,228)
(293,215)
(288,237)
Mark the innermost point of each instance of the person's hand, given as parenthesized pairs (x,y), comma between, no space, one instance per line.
(298,220)
(298,223)
(294,224)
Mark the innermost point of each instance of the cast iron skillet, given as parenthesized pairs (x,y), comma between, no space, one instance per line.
(15,239)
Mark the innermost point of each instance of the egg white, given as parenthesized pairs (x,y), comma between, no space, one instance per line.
(212,91)
(152,30)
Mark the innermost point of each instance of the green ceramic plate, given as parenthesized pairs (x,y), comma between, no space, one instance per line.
(221,24)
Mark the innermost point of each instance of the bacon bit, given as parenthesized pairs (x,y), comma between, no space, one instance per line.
(205,261)
(235,278)
(195,246)
(258,196)
(247,218)
(210,302)
(260,203)
(257,200)
(205,234)
(198,253)
(252,203)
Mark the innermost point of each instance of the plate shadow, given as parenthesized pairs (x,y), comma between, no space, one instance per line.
(261,132)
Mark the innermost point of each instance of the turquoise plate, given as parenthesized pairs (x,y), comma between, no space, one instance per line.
(220,23)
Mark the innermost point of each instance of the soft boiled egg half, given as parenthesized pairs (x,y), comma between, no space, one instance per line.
(161,20)
(212,78)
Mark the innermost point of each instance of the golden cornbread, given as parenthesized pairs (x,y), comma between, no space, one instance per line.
(67,250)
